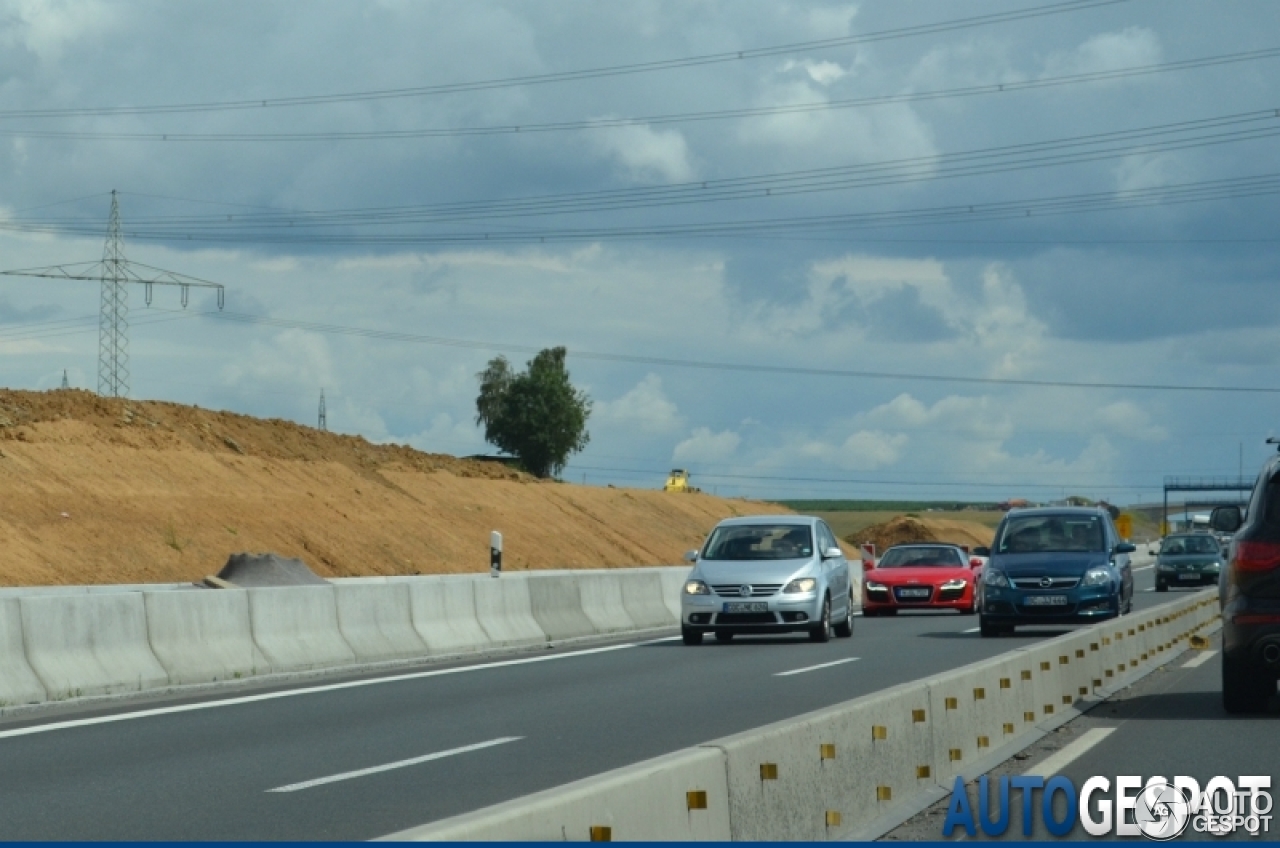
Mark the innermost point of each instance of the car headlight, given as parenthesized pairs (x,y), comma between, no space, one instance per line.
(696,587)
(1215,564)
(804,584)
(1096,577)
(958,583)
(873,586)
(994,578)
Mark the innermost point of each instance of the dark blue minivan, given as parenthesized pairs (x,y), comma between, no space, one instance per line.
(1055,565)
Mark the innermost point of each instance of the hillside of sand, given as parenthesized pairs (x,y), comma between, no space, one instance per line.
(107,490)
(908,528)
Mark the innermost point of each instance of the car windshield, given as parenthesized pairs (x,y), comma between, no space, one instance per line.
(759,541)
(1178,545)
(1051,533)
(917,557)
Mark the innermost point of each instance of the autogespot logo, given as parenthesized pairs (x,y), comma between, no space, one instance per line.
(1158,809)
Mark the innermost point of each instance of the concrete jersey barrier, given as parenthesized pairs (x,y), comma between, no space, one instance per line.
(556,603)
(90,644)
(376,620)
(18,683)
(202,637)
(296,627)
(505,612)
(444,614)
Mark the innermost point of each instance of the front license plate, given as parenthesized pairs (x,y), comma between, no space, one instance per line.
(913,593)
(1046,601)
(752,607)
(1188,576)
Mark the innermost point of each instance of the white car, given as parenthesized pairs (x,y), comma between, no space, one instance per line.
(768,574)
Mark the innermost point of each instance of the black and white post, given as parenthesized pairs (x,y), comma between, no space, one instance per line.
(495,554)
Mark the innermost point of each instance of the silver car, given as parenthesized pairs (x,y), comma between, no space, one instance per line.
(767,574)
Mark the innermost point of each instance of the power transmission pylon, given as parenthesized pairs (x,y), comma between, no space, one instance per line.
(65,383)
(114,273)
(324,423)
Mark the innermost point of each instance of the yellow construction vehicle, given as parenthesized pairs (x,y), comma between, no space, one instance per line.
(678,481)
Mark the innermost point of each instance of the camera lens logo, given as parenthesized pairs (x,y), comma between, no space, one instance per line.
(1162,812)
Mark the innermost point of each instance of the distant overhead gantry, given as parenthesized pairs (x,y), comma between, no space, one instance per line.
(115,272)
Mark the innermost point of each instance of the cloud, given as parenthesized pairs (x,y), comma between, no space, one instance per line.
(705,446)
(1129,47)
(823,73)
(643,409)
(646,154)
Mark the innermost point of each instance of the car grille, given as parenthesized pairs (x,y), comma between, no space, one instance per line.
(923,599)
(1065,609)
(734,590)
(1034,582)
(746,618)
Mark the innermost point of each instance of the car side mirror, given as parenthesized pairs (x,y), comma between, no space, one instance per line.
(982,551)
(1226,519)
(1124,548)
(690,556)
(832,553)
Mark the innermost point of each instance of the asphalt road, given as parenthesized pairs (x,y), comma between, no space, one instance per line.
(205,768)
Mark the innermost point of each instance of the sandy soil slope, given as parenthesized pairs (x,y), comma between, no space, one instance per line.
(103,490)
(906,528)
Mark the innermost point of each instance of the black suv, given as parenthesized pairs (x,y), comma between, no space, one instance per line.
(1249,594)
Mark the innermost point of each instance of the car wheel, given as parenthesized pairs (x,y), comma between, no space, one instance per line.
(1245,688)
(868,612)
(821,632)
(973,608)
(1162,586)
(889,611)
(722,636)
(845,628)
(690,636)
(986,629)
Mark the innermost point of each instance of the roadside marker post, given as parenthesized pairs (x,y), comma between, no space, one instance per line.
(495,554)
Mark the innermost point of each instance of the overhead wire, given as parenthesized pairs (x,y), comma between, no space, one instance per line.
(1026,13)
(601,123)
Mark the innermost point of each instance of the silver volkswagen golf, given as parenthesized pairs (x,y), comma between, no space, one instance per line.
(767,574)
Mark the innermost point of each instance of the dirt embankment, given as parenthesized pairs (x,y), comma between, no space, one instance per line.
(906,529)
(104,490)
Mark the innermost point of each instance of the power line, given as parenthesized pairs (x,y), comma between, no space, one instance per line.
(654,120)
(763,368)
(576,75)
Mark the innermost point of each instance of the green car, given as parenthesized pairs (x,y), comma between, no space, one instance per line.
(1189,559)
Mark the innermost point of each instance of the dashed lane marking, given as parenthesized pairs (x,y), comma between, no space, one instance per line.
(816,667)
(399,764)
(1056,763)
(1200,660)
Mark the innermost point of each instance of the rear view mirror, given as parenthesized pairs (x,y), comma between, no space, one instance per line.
(1125,548)
(982,551)
(690,556)
(832,553)
(1226,519)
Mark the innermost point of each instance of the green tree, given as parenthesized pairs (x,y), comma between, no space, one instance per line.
(535,415)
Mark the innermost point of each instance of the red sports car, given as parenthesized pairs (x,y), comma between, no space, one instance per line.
(922,576)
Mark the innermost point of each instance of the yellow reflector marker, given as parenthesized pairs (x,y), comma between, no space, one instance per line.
(833,818)
(1026,674)
(1008,728)
(1066,700)
(1064,660)
(917,716)
(952,703)
(1093,646)
(827,751)
(884,793)
(979,694)
(1029,716)
(954,755)
(922,772)
(1048,709)
(984,742)
(601,833)
(1096,683)
(1045,666)
(768,771)
(1083,690)
(1005,683)
(696,799)
(879,731)
(1079,653)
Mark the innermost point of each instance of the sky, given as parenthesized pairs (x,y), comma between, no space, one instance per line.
(883,249)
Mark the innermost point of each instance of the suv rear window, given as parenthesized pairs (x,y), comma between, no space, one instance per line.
(1051,534)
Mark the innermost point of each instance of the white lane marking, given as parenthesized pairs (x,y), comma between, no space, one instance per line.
(290,693)
(439,755)
(1200,660)
(816,667)
(1056,763)
(1145,568)
(1152,589)
(971,630)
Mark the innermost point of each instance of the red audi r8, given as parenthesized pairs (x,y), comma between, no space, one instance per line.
(921,576)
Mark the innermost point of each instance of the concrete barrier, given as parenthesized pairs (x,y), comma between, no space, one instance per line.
(673,580)
(90,644)
(602,602)
(642,595)
(376,621)
(973,711)
(505,612)
(444,615)
(555,601)
(18,683)
(680,796)
(203,636)
(296,627)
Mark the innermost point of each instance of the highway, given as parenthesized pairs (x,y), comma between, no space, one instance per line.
(361,756)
